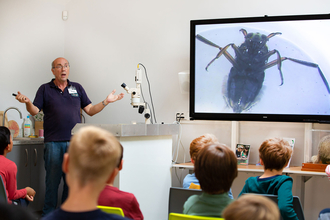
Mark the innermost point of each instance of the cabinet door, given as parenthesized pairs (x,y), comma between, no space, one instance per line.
(38,174)
(20,154)
(29,160)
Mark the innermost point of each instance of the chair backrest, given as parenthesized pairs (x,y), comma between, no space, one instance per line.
(178,196)
(296,205)
(177,216)
(111,210)
(3,193)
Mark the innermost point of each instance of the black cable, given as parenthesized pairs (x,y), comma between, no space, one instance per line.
(142,93)
(147,104)
(151,115)
(152,103)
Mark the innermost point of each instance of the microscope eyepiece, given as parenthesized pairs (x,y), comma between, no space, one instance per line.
(123,85)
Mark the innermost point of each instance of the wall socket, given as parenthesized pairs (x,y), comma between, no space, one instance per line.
(179,116)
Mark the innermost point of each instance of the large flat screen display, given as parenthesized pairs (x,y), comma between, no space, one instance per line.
(261,69)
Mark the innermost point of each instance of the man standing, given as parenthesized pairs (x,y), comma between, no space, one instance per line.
(61,101)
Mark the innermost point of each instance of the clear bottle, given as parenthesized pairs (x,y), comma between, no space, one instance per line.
(27,126)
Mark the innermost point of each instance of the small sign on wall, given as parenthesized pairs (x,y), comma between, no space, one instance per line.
(242,154)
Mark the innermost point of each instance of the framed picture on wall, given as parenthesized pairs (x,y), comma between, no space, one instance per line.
(242,154)
(291,142)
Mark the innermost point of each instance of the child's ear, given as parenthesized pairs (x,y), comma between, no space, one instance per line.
(112,176)
(121,165)
(65,164)
(261,162)
(192,160)
(8,148)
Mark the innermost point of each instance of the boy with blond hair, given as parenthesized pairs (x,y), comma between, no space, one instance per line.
(275,154)
(190,181)
(89,164)
(252,206)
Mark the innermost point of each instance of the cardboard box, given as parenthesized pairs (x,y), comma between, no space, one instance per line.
(37,126)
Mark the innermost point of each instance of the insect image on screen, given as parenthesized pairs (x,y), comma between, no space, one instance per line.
(249,64)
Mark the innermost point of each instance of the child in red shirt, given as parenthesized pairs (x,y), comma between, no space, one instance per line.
(8,170)
(113,197)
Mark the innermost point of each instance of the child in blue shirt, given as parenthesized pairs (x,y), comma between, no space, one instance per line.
(190,181)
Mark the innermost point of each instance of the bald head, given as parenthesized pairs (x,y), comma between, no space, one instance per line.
(59,59)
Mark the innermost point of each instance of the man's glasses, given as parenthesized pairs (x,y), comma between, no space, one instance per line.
(61,67)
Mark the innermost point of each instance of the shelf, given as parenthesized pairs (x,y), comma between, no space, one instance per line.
(259,169)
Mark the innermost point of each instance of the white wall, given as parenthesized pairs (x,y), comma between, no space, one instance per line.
(105,40)
(31,35)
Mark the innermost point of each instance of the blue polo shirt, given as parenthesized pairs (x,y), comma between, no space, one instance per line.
(61,109)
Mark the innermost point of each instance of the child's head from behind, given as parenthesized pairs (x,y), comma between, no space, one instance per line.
(4,139)
(251,206)
(216,168)
(93,155)
(275,153)
(198,143)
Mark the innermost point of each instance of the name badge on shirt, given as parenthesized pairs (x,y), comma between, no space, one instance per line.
(73,91)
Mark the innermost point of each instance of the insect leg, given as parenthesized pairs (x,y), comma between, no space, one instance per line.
(277,62)
(274,62)
(222,51)
(312,65)
(206,41)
